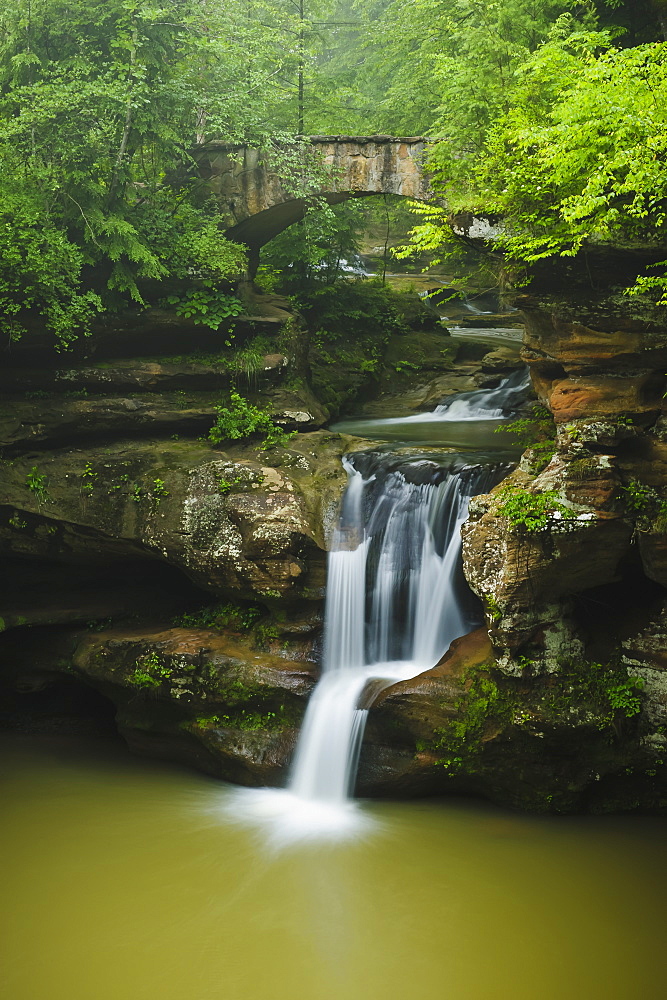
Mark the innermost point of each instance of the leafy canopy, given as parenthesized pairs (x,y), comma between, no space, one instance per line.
(101,105)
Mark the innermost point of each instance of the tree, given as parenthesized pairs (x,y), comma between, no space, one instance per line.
(101,103)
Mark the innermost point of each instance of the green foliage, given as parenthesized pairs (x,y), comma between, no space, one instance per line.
(443,67)
(37,484)
(492,607)
(577,156)
(100,105)
(223,617)
(158,491)
(604,691)
(579,692)
(353,311)
(537,432)
(352,322)
(582,468)
(638,496)
(248,721)
(150,671)
(646,504)
(88,479)
(249,358)
(459,742)
(17,522)
(595,165)
(535,427)
(313,253)
(532,512)
(241,419)
(266,633)
(227,485)
(206,306)
(40,265)
(542,118)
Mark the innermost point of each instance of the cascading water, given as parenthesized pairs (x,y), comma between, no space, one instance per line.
(396,598)
(486,404)
(465,420)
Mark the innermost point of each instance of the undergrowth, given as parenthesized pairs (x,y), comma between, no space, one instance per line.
(241,419)
(530,511)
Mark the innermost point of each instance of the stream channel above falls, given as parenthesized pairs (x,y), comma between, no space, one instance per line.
(135,880)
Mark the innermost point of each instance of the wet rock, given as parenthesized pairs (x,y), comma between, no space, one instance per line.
(192,695)
(503,360)
(522,576)
(230,521)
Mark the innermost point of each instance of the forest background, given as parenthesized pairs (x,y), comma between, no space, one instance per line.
(549,114)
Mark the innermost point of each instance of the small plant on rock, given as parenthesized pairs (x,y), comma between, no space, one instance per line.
(227,485)
(88,478)
(649,508)
(532,512)
(149,671)
(206,306)
(536,431)
(36,483)
(240,419)
(159,491)
(232,617)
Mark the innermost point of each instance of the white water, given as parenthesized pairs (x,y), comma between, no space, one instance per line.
(396,598)
(395,601)
(485,404)
(463,408)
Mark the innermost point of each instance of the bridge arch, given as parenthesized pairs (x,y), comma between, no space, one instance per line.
(257,203)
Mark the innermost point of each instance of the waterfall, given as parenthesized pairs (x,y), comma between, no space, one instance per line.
(462,416)
(486,404)
(396,598)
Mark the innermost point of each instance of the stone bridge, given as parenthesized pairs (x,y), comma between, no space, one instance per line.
(261,192)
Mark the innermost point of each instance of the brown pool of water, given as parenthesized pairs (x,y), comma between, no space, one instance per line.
(123,881)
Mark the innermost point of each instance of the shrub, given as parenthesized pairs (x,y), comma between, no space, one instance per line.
(241,419)
(532,512)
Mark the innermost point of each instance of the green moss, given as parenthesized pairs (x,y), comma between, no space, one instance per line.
(582,468)
(284,717)
(150,671)
(236,691)
(266,633)
(460,741)
(600,693)
(580,693)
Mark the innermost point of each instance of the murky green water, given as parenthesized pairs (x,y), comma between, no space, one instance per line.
(122,882)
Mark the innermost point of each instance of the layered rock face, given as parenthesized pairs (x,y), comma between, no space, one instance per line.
(180,580)
(565,707)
